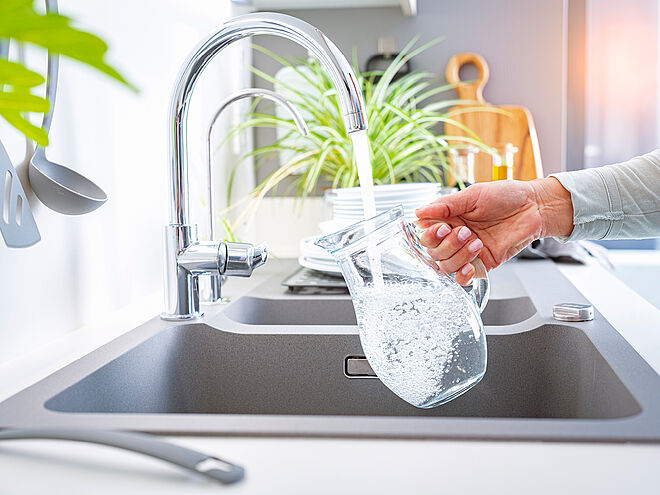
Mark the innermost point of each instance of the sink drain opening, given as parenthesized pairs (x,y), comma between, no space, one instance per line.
(358,367)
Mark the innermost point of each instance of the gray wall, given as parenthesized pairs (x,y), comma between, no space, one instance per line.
(621,80)
(522,40)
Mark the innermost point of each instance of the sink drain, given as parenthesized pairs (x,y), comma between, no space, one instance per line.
(358,367)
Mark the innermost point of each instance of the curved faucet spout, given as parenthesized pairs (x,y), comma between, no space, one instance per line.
(329,56)
(215,287)
(239,95)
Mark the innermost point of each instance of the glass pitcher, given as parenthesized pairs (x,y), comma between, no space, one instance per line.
(420,330)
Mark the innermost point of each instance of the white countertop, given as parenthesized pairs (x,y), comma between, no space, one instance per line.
(285,465)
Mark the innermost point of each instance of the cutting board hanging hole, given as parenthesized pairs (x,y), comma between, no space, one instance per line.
(468,90)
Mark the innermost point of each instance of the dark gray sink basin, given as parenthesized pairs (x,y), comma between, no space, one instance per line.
(272,363)
(251,310)
(270,304)
(187,369)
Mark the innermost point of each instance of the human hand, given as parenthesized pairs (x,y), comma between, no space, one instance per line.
(504,215)
(453,249)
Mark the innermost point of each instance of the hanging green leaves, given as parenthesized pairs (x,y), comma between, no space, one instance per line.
(19,21)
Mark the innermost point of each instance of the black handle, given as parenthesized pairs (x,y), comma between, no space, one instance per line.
(388,58)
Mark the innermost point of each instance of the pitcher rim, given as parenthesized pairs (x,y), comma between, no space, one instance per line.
(396,210)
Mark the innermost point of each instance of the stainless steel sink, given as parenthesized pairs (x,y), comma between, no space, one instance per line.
(272,363)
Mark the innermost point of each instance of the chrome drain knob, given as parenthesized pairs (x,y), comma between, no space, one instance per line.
(573,312)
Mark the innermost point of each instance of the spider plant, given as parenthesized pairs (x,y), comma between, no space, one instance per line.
(405,129)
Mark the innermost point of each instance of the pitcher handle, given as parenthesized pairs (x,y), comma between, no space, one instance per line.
(480,288)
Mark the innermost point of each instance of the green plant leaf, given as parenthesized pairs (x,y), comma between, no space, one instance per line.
(30,130)
(23,102)
(19,21)
(15,74)
(54,32)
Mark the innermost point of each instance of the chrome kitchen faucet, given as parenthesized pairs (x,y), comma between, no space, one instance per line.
(185,256)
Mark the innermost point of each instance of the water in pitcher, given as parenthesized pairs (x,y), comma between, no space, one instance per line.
(423,341)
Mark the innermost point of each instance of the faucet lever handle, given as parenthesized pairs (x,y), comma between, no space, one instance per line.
(243,258)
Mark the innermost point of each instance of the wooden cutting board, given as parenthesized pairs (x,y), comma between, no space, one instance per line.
(514,125)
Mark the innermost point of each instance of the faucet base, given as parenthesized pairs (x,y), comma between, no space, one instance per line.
(192,316)
(181,286)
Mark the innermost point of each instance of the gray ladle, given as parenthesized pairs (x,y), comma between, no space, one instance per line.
(56,186)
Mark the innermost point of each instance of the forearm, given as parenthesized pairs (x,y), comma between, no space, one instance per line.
(616,201)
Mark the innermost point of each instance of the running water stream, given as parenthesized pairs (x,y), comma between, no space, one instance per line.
(365,174)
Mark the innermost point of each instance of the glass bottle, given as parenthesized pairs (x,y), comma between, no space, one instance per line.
(503,161)
(463,161)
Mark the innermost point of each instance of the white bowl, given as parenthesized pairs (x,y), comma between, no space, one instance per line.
(403,202)
(346,203)
(308,249)
(331,268)
(386,191)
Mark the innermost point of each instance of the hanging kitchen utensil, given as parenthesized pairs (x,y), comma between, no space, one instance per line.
(513,124)
(58,187)
(16,220)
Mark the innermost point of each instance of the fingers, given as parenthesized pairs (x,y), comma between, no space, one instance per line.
(453,249)
(425,224)
(465,275)
(434,234)
(434,210)
(448,206)
(456,249)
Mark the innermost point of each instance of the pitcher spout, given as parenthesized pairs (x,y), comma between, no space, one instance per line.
(353,235)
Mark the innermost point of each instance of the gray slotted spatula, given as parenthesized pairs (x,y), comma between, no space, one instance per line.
(16,221)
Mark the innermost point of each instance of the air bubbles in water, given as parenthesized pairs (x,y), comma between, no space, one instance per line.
(424,343)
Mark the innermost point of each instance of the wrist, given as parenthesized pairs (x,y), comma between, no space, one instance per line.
(555,207)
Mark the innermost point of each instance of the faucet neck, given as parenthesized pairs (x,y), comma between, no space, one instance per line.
(340,71)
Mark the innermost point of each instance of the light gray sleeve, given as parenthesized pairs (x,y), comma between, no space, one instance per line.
(617,201)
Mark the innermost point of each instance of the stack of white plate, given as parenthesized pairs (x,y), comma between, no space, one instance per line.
(346,207)
(316,258)
(346,203)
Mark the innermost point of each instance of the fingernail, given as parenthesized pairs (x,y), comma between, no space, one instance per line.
(464,233)
(466,269)
(475,245)
(442,231)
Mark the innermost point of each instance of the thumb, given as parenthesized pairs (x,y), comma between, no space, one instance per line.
(447,206)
